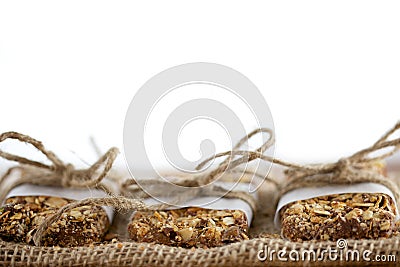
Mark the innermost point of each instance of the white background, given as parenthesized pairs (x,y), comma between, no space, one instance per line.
(330,71)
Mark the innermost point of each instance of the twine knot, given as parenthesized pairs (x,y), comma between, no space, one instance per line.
(66,174)
(343,170)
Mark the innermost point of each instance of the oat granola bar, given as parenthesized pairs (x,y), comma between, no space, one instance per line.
(21,215)
(350,215)
(189,227)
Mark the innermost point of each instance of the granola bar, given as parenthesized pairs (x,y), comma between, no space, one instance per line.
(189,227)
(350,215)
(21,215)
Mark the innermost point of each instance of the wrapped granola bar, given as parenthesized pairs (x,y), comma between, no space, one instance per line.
(364,210)
(350,198)
(218,223)
(33,191)
(26,206)
(189,227)
(202,220)
(332,217)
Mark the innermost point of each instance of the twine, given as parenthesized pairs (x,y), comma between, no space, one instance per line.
(353,169)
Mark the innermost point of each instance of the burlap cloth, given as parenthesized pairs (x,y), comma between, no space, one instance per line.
(126,253)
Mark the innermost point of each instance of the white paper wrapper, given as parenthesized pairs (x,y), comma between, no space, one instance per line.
(311,192)
(73,194)
(221,203)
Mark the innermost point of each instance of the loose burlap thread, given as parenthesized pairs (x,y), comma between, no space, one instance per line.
(243,253)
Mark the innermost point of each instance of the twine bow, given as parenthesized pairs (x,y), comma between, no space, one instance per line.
(201,184)
(58,173)
(357,168)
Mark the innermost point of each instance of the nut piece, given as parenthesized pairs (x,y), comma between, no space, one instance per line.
(189,227)
(186,234)
(228,220)
(368,214)
(352,215)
